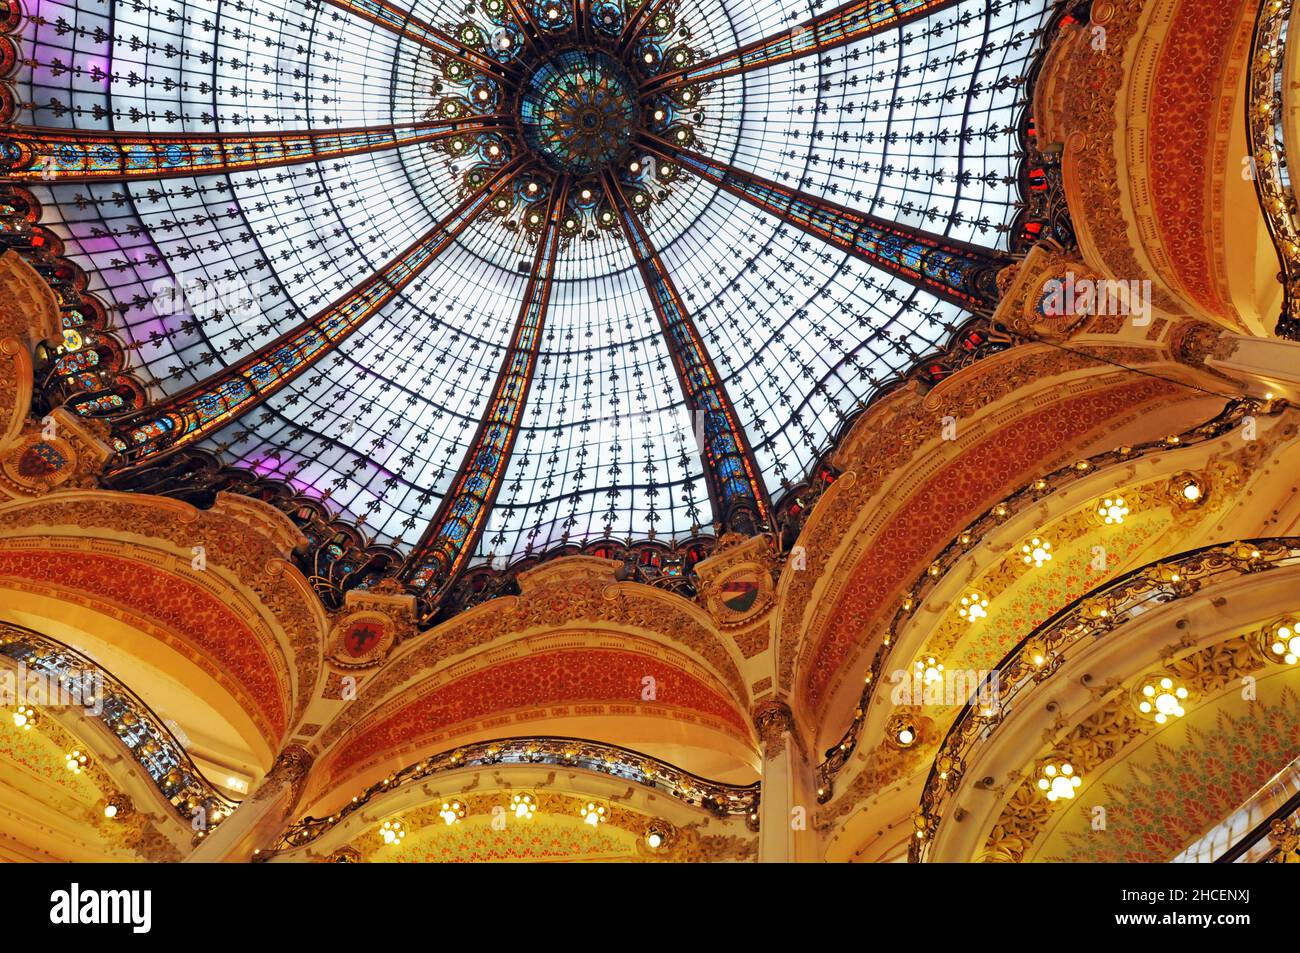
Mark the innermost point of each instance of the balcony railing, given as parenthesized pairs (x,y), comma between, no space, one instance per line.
(65,673)
(1073,630)
(722,800)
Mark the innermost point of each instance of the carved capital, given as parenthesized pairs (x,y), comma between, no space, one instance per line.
(1193,342)
(773,720)
(289,771)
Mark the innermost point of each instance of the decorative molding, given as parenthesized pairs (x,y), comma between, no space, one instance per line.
(567,673)
(992,457)
(241,536)
(554,596)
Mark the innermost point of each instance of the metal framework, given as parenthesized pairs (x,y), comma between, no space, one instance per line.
(454,532)
(955,271)
(637,21)
(844,24)
(194,413)
(405,24)
(49,155)
(739,498)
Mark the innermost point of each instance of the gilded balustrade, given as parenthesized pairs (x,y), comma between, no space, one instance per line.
(1232,416)
(67,674)
(720,799)
(1072,630)
(1268,109)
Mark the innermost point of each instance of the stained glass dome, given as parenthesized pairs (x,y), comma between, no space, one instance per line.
(488,277)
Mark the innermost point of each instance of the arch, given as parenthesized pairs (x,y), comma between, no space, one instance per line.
(905,491)
(205,597)
(559,683)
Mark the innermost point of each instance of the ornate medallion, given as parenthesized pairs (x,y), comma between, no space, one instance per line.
(570,101)
(740,594)
(37,465)
(361,640)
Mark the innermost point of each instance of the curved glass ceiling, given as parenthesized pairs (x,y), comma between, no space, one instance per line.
(914,123)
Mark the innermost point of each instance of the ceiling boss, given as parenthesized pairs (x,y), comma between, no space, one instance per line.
(572,93)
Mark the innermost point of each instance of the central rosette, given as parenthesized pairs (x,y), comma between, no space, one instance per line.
(589,99)
(578,110)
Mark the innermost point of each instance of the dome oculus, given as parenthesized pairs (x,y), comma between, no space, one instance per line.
(566,104)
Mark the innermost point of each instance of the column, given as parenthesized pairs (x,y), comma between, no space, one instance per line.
(788,805)
(261,816)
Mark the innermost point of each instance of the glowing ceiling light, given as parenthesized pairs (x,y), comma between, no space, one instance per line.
(1187,490)
(451,812)
(24,718)
(392,832)
(1286,643)
(75,761)
(658,834)
(592,814)
(974,606)
(524,806)
(1036,552)
(1059,782)
(929,670)
(1112,510)
(1162,699)
(901,732)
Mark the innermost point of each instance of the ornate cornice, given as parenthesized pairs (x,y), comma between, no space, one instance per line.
(244,538)
(544,677)
(1091,73)
(886,440)
(554,596)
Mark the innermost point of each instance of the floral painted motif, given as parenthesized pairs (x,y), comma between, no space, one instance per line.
(585,677)
(1160,807)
